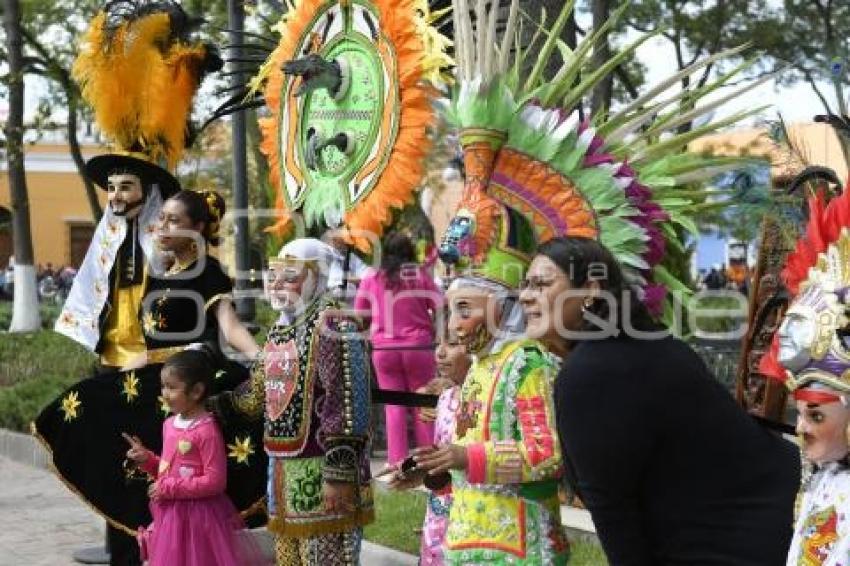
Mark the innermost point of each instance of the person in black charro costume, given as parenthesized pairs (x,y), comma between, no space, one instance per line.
(139,68)
(184,305)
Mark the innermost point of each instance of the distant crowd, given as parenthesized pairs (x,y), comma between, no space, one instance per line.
(53,282)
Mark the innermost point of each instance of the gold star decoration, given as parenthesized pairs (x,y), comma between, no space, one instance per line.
(163,405)
(151,323)
(69,406)
(130,388)
(241,450)
(148,323)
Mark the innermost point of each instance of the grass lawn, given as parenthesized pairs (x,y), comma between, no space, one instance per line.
(399,515)
(34,368)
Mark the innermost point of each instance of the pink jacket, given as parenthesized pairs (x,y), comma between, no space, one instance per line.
(193,462)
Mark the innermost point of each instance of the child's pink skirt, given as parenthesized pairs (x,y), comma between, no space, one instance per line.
(198,532)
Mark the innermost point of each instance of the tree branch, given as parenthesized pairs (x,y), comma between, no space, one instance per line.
(626,81)
(72,95)
(811,80)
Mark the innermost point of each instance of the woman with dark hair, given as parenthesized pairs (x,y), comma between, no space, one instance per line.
(401,300)
(672,470)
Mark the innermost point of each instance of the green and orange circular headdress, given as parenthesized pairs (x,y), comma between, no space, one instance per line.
(350,106)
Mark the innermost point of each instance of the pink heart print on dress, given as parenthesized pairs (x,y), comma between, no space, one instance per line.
(282,373)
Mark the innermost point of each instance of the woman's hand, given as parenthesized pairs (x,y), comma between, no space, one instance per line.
(137,452)
(438,459)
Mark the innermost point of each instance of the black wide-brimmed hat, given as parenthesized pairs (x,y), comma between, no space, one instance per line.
(99,167)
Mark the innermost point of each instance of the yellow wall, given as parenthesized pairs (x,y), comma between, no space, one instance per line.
(57,199)
(817,145)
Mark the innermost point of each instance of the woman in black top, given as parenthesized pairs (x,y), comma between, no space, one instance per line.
(672,470)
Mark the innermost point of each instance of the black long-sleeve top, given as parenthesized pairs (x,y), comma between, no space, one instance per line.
(672,470)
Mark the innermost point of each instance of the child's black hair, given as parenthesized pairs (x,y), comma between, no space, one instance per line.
(192,367)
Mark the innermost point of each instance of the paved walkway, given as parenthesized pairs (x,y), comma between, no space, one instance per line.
(42,523)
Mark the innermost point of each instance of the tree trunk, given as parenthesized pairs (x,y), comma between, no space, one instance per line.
(25,315)
(72,96)
(77,155)
(600,100)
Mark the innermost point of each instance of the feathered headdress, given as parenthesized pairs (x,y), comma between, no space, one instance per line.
(139,69)
(608,177)
(817,276)
(349,106)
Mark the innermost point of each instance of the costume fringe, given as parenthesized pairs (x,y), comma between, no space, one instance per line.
(280,526)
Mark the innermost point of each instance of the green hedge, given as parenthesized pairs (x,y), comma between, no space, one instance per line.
(34,368)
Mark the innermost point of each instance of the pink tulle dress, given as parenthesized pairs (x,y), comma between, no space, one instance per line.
(194,522)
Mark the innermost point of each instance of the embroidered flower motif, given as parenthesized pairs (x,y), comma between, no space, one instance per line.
(70,404)
(98,288)
(130,387)
(112,227)
(152,322)
(104,260)
(67,319)
(241,450)
(163,405)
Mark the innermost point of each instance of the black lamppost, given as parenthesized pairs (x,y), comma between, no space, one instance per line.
(244,305)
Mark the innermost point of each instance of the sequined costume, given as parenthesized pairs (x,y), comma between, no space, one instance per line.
(822,528)
(314,390)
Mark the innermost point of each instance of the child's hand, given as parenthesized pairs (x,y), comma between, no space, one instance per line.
(137,452)
(153,492)
(339,496)
(401,480)
(427,414)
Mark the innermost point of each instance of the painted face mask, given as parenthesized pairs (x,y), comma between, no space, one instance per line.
(809,326)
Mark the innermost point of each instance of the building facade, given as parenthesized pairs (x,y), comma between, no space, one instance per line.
(61,219)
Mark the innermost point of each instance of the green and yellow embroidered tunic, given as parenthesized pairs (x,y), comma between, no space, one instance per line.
(506,508)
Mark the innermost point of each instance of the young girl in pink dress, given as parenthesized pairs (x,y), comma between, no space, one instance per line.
(452,364)
(194,522)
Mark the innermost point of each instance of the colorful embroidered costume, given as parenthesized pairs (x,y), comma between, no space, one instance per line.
(810,356)
(506,508)
(194,522)
(822,527)
(431,549)
(313,386)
